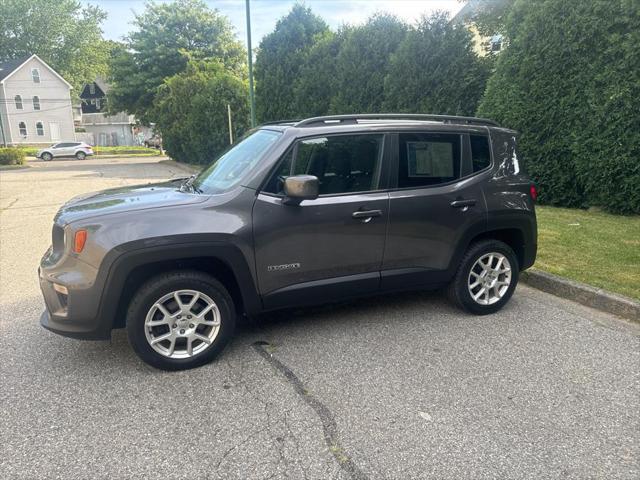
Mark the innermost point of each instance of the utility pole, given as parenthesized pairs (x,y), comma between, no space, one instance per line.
(250,58)
(4,140)
(230,128)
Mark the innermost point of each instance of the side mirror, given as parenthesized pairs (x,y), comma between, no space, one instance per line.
(300,187)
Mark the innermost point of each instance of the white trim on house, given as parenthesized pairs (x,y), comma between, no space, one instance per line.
(41,61)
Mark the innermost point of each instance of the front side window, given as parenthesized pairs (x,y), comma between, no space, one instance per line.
(92,88)
(39,129)
(23,129)
(428,159)
(35,75)
(18,100)
(36,102)
(342,163)
(236,163)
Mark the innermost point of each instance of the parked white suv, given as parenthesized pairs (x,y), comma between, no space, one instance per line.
(80,150)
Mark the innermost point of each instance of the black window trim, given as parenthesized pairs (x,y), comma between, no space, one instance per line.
(383,167)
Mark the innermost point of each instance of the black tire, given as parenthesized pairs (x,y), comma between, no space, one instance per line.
(458,290)
(163,284)
(81,155)
(46,156)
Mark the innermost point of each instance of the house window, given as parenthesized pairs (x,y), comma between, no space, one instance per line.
(18,100)
(35,75)
(39,129)
(97,104)
(36,102)
(23,129)
(92,88)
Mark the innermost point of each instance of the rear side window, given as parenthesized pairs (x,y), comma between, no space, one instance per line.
(428,159)
(480,154)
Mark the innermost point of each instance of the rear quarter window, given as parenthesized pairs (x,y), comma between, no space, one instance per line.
(480,153)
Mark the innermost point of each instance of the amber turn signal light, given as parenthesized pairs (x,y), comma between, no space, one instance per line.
(79,241)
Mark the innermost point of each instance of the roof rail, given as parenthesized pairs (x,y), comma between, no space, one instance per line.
(281,122)
(345,119)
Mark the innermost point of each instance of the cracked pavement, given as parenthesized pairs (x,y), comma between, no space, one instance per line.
(544,389)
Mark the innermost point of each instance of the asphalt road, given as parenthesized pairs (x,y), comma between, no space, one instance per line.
(396,387)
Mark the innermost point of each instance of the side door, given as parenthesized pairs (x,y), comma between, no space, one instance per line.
(54,131)
(331,247)
(437,202)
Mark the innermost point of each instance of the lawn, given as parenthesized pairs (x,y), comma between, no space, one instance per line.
(592,247)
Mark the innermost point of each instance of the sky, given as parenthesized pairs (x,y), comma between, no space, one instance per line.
(265,13)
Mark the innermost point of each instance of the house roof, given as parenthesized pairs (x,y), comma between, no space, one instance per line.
(11,66)
(104,86)
(8,67)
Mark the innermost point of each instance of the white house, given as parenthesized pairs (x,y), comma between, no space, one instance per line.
(35,103)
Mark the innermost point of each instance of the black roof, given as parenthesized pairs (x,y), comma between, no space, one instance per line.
(6,68)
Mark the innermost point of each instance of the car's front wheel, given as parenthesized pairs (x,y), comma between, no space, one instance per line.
(180,320)
(486,277)
(46,156)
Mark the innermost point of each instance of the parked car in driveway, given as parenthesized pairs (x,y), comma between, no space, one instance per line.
(153,142)
(80,150)
(297,213)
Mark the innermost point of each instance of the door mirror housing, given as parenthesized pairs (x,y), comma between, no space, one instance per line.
(300,187)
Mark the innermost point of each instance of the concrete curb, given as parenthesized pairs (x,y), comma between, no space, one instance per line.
(583,294)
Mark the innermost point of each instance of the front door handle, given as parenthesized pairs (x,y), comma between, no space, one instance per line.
(367,213)
(463,203)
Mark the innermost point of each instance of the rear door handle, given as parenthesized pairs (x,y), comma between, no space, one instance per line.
(366,213)
(463,203)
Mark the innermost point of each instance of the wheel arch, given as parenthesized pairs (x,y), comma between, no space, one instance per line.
(225,262)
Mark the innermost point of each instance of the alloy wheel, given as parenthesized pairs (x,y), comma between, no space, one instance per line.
(182,324)
(489,278)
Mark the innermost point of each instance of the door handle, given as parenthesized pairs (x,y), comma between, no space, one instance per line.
(463,203)
(366,213)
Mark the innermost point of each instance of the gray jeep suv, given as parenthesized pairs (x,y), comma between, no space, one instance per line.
(297,213)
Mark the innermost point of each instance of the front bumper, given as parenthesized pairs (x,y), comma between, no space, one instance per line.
(67,315)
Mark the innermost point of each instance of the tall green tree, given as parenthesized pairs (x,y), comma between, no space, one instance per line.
(166,38)
(191,111)
(315,84)
(279,60)
(64,33)
(569,81)
(363,63)
(435,70)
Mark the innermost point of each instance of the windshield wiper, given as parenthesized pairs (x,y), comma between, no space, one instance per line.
(188,185)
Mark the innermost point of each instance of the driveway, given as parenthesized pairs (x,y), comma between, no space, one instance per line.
(397,387)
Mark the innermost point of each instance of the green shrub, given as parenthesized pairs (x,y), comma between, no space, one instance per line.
(191,112)
(569,81)
(11,156)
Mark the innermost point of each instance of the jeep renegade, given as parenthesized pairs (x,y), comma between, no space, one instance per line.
(297,213)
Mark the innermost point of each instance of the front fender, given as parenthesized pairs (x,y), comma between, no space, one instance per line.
(119,263)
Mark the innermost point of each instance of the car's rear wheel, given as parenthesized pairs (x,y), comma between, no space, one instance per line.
(81,155)
(486,277)
(180,320)
(46,156)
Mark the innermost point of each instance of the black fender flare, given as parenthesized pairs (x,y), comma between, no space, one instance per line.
(120,262)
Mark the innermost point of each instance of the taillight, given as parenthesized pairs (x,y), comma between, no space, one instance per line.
(79,240)
(533,192)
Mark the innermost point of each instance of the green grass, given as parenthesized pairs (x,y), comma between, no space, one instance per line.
(592,247)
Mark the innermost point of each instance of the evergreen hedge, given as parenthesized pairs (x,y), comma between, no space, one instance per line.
(569,81)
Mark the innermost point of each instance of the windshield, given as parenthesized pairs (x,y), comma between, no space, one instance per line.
(234,165)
